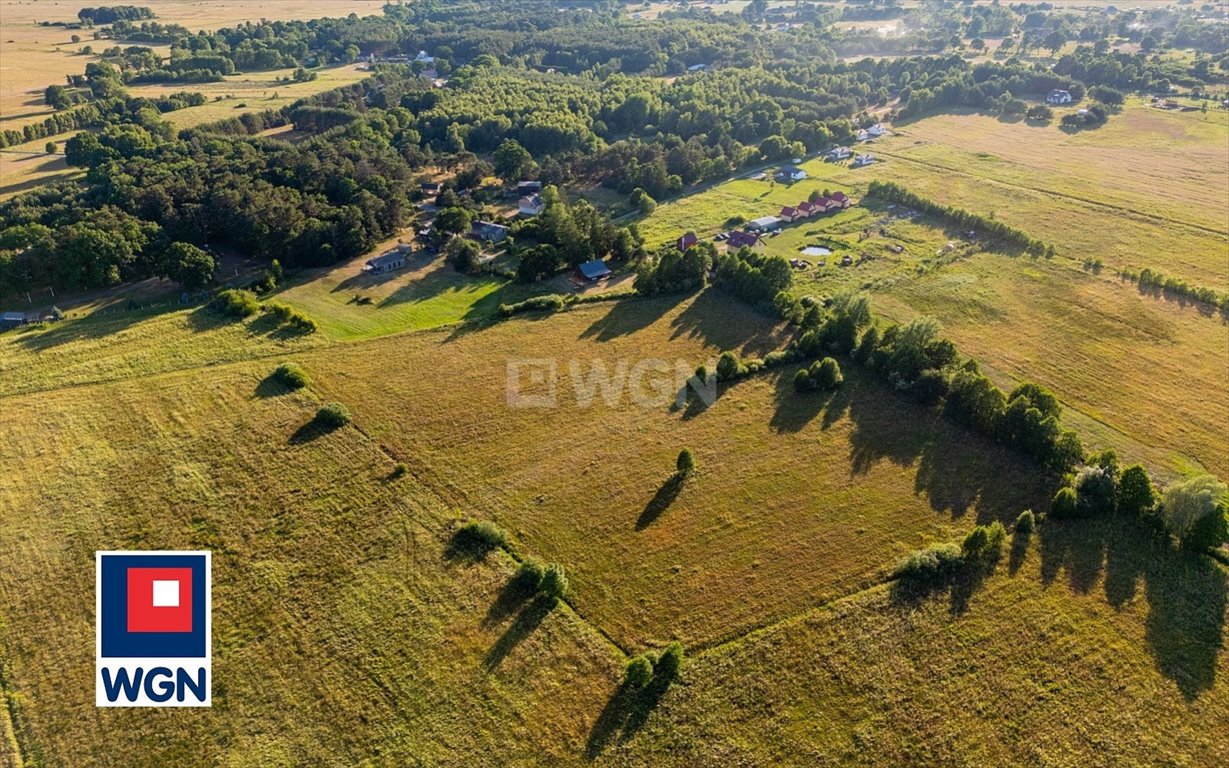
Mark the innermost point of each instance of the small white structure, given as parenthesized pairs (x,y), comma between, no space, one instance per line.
(387,262)
(424,58)
(863,135)
(698,68)
(838,153)
(763,224)
(1058,96)
(791,173)
(531,205)
(861,160)
(876,130)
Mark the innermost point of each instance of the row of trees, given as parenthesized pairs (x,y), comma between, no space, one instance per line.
(965,220)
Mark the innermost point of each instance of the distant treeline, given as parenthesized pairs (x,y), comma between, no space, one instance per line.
(109,14)
(982,225)
(97,114)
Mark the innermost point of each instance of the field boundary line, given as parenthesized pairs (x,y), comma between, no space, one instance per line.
(1052,193)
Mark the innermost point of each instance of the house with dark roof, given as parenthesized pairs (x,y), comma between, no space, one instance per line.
(789,213)
(488,231)
(841,199)
(740,239)
(526,188)
(687,241)
(592,271)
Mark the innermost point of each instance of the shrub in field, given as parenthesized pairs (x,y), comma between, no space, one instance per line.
(291,376)
(639,672)
(669,663)
(728,367)
(292,317)
(933,564)
(235,302)
(477,538)
(1026,522)
(399,471)
(528,576)
(1064,504)
(549,303)
(554,582)
(333,415)
(983,543)
(685,462)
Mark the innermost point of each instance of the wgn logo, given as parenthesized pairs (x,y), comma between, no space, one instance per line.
(153,629)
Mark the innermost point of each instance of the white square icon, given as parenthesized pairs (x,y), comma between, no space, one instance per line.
(166,594)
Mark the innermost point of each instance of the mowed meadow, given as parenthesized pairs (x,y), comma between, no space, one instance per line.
(346,630)
(1140,372)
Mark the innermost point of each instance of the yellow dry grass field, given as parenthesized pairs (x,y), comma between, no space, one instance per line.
(344,630)
(249,92)
(33,57)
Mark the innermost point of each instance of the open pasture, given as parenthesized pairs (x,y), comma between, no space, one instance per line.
(341,629)
(797,500)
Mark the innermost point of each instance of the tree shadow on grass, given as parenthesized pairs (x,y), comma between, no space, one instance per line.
(707,319)
(1019,550)
(960,585)
(624,715)
(509,600)
(312,430)
(1187,592)
(795,410)
(661,501)
(628,317)
(271,386)
(527,620)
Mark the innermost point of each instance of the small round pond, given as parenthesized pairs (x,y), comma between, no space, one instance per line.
(816,250)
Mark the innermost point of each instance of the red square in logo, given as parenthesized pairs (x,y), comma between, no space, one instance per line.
(159,599)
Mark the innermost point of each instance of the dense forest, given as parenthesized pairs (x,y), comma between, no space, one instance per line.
(575,94)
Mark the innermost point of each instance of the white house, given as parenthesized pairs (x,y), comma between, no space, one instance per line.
(424,58)
(791,173)
(1058,96)
(531,205)
(876,130)
(863,135)
(861,160)
(838,153)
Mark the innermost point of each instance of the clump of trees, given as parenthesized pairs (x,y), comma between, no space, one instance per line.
(823,376)
(567,235)
(943,562)
(753,277)
(290,317)
(658,669)
(672,271)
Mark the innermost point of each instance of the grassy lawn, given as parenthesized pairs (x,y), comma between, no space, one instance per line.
(351,304)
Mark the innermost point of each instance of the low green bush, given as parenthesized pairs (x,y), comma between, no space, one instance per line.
(291,376)
(554,582)
(935,563)
(235,302)
(669,663)
(479,537)
(528,577)
(550,303)
(686,462)
(1026,522)
(333,415)
(292,317)
(639,672)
